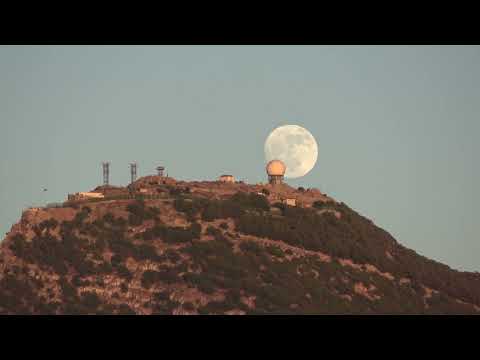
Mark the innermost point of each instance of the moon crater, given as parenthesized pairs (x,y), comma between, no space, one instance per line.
(293,145)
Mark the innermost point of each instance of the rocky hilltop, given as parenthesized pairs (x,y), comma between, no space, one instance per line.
(160,246)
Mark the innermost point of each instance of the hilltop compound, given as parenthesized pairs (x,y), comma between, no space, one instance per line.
(160,187)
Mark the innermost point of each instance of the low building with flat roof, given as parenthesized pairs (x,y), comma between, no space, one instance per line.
(85,196)
(227,178)
(290,201)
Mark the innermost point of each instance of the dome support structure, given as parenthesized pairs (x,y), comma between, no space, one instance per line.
(275,179)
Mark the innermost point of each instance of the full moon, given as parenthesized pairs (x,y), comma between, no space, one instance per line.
(293,145)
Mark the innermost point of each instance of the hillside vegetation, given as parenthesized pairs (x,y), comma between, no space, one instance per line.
(237,255)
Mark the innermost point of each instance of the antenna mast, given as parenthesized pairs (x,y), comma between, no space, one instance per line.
(133,171)
(106,172)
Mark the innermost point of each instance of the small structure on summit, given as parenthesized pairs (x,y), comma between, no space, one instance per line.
(227,179)
(133,172)
(275,171)
(160,170)
(111,191)
(290,201)
(106,173)
(85,196)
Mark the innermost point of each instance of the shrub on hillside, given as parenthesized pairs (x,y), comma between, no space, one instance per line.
(251,246)
(90,301)
(146,252)
(201,281)
(196,230)
(173,234)
(319,204)
(124,309)
(123,287)
(68,291)
(172,255)
(108,218)
(275,251)
(86,209)
(174,191)
(48,224)
(139,212)
(80,216)
(224,226)
(116,260)
(250,200)
(191,207)
(18,245)
(134,220)
(213,231)
(123,272)
(188,306)
(166,275)
(161,296)
(220,209)
(149,277)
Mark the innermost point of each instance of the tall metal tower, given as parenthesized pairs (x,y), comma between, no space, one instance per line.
(160,170)
(106,172)
(133,171)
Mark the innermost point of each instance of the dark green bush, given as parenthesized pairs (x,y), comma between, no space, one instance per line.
(219,209)
(91,301)
(116,260)
(201,281)
(18,245)
(224,226)
(108,218)
(214,307)
(80,218)
(161,296)
(251,246)
(196,230)
(188,306)
(139,212)
(149,278)
(275,251)
(86,209)
(124,309)
(250,200)
(191,207)
(166,275)
(172,255)
(134,220)
(213,231)
(174,191)
(123,272)
(319,204)
(68,290)
(173,234)
(123,288)
(146,252)
(48,224)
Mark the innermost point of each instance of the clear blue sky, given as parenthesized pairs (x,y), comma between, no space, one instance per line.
(397,126)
